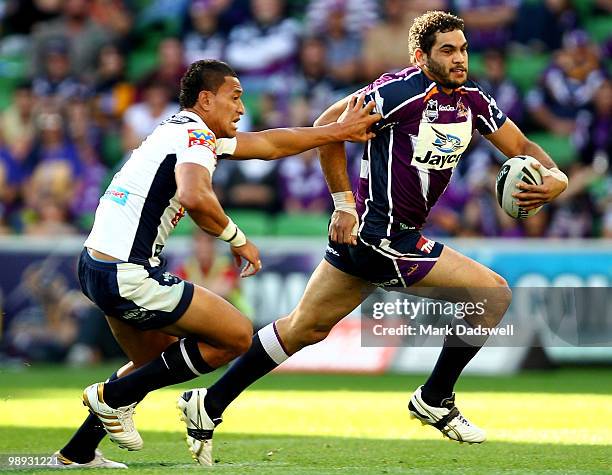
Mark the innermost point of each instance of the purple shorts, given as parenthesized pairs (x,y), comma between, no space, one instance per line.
(401,260)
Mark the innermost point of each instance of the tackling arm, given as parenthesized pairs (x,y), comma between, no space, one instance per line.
(272,144)
(511,142)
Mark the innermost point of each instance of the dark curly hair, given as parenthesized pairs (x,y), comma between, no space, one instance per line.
(424,28)
(203,75)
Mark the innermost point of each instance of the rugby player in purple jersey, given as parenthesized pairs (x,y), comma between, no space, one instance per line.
(429,113)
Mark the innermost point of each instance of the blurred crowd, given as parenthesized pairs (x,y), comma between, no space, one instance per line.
(85,81)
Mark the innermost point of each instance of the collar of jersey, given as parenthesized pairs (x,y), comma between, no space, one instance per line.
(192,115)
(439,86)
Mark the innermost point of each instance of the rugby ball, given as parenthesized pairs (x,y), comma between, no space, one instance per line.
(513,171)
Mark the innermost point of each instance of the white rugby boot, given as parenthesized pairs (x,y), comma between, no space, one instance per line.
(118,423)
(99,461)
(200,426)
(446,418)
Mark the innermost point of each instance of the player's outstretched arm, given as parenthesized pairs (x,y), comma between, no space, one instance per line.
(196,195)
(353,125)
(344,221)
(511,142)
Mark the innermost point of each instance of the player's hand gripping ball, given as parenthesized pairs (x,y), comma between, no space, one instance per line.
(513,171)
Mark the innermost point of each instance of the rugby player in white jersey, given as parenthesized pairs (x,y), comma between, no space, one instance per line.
(173,330)
(429,113)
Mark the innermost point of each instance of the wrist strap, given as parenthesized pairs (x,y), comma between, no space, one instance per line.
(555,173)
(233,234)
(345,201)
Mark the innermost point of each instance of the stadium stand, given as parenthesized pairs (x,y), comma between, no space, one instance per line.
(140,28)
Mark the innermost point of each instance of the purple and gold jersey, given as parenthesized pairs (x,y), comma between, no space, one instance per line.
(421,138)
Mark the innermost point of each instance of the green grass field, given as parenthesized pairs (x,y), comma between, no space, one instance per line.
(554,423)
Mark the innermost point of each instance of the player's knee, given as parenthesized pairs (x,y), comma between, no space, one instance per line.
(240,341)
(505,293)
(499,280)
(301,332)
(219,356)
(499,300)
(243,341)
(314,333)
(242,337)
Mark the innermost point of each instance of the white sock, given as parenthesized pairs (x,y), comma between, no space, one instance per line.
(272,344)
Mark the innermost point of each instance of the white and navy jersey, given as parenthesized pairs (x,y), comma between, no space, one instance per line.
(423,134)
(140,208)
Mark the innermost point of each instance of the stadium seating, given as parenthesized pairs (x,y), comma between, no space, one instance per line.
(253,222)
(560,148)
(302,224)
(525,69)
(141,61)
(13,69)
(258,223)
(600,28)
(112,149)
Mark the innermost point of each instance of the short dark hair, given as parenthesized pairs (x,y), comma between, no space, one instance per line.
(203,75)
(424,28)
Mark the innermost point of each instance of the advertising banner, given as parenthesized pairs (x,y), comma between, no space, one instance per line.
(31,267)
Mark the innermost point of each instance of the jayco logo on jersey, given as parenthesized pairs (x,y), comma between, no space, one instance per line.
(446,143)
(440,162)
(440,147)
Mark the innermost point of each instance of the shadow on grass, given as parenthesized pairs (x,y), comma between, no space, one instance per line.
(559,381)
(236,453)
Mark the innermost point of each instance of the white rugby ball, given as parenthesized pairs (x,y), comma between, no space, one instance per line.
(513,171)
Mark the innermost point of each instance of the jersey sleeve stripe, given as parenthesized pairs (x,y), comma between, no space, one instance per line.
(487,123)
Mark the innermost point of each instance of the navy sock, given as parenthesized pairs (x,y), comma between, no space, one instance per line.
(265,354)
(454,357)
(180,362)
(82,446)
